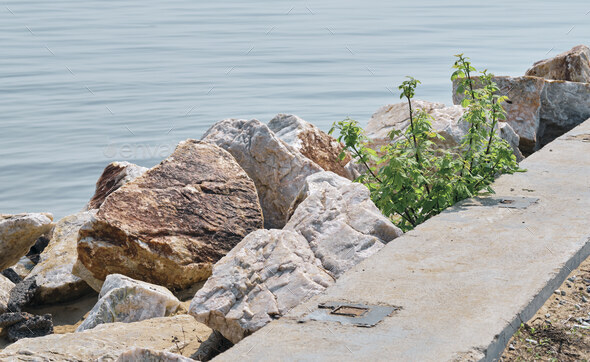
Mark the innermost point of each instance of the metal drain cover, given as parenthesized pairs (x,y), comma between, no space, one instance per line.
(360,315)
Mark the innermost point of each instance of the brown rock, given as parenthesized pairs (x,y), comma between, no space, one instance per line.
(115,175)
(169,226)
(523,111)
(572,65)
(312,142)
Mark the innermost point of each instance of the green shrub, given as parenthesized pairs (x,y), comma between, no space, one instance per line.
(411,179)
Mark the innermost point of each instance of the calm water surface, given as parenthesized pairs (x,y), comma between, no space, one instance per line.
(84,83)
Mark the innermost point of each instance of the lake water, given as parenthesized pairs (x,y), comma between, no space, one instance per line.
(84,83)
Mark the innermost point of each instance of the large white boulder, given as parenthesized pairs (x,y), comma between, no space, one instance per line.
(123,299)
(261,279)
(277,169)
(339,221)
(335,226)
(18,233)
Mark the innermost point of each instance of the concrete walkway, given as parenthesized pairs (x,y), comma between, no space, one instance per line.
(464,280)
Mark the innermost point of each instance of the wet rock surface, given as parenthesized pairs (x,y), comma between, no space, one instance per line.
(169,226)
(123,299)
(277,169)
(18,233)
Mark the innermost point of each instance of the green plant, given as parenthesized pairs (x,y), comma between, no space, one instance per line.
(410,178)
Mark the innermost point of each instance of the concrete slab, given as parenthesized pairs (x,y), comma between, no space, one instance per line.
(464,280)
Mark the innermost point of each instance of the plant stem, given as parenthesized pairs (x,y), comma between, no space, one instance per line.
(364,163)
(416,151)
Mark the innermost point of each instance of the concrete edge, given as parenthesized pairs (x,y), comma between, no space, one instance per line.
(494,350)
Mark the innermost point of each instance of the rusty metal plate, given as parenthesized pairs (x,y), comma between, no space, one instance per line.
(360,315)
(511,202)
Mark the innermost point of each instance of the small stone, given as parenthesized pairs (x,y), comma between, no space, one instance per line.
(548,315)
(547,321)
(588,289)
(572,279)
(563,293)
(123,299)
(568,285)
(558,292)
(577,306)
(532,341)
(584,299)
(561,302)
(511,347)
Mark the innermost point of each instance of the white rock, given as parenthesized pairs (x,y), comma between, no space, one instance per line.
(53,274)
(276,168)
(151,355)
(261,279)
(5,287)
(123,299)
(339,221)
(312,143)
(447,122)
(108,341)
(18,233)
(334,227)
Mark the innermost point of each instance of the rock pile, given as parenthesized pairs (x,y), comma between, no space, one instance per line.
(335,226)
(193,225)
(552,98)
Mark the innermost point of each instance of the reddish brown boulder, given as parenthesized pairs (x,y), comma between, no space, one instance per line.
(115,175)
(171,225)
(572,65)
(312,142)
